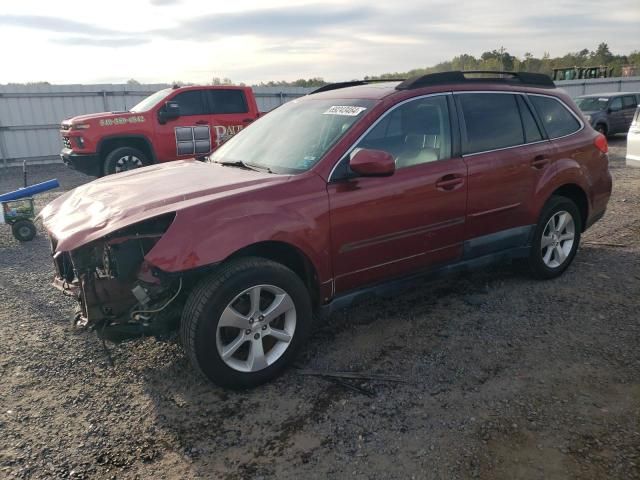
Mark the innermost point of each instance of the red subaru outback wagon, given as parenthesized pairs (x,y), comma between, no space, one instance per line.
(341,193)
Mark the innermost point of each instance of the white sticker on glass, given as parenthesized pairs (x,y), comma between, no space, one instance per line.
(603,99)
(347,110)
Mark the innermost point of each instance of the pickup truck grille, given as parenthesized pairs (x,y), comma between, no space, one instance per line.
(67,142)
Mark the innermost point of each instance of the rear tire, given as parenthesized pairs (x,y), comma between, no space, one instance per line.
(556,238)
(243,324)
(23,230)
(123,159)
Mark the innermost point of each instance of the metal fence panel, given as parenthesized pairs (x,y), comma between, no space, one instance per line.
(576,88)
(30,115)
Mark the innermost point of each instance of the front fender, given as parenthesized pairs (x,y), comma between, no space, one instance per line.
(207,234)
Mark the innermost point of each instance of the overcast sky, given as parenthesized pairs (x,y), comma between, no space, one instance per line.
(84,41)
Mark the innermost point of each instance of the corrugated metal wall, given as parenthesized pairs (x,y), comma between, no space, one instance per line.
(600,85)
(30,115)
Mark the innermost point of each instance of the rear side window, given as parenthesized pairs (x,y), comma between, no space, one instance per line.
(556,119)
(492,121)
(629,102)
(531,130)
(616,104)
(226,101)
(191,102)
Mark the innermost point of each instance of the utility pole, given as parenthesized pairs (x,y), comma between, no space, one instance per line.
(502,58)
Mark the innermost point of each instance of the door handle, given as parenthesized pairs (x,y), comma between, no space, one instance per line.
(540,161)
(449,182)
(202,122)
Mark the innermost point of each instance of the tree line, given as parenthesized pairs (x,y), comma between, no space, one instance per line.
(501,60)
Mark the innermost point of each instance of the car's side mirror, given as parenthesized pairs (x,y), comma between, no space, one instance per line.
(372,163)
(169,111)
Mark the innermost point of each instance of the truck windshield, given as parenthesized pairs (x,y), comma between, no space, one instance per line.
(293,137)
(592,104)
(150,101)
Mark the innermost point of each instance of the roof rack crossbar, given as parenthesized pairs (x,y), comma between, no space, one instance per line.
(353,83)
(522,78)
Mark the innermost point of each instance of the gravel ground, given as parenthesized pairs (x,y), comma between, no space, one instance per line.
(507,378)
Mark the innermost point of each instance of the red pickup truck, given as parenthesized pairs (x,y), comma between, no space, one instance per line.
(172,124)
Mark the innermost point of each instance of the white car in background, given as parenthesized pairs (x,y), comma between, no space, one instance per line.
(633,141)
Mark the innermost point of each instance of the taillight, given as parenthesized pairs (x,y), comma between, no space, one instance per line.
(601,143)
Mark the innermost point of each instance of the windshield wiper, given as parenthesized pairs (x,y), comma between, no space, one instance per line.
(238,163)
(247,166)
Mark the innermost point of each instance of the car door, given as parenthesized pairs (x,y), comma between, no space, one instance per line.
(393,226)
(228,112)
(629,105)
(504,166)
(616,115)
(188,135)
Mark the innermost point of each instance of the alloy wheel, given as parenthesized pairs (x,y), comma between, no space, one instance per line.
(128,162)
(256,328)
(557,239)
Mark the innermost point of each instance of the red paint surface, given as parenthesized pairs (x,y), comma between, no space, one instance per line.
(354,232)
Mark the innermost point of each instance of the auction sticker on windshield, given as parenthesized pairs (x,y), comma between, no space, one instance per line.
(349,111)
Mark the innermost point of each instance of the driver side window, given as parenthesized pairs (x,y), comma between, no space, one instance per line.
(415,133)
(191,102)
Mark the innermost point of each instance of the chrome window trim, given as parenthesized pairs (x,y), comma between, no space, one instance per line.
(374,124)
(460,92)
(524,94)
(563,103)
(505,148)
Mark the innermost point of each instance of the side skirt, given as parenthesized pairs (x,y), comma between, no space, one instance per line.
(501,247)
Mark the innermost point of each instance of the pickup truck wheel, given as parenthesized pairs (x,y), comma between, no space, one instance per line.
(556,238)
(242,325)
(123,159)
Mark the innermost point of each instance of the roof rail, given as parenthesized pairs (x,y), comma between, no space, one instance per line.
(520,78)
(353,83)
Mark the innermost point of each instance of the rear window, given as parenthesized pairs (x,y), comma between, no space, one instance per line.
(556,118)
(492,121)
(226,101)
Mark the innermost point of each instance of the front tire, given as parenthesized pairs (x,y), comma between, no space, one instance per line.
(242,325)
(556,238)
(123,159)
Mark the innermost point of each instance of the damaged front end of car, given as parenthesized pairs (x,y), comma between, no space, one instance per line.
(120,295)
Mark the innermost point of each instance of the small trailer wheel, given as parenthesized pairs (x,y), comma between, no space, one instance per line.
(23,230)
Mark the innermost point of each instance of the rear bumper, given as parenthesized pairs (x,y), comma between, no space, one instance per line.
(89,164)
(633,147)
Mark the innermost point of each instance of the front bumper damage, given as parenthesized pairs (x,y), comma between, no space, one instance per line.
(119,294)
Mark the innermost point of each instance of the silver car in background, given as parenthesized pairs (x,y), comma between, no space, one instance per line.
(633,141)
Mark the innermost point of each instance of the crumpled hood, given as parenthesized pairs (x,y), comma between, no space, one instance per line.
(103,206)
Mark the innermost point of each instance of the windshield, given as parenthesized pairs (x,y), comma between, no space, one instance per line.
(150,101)
(590,104)
(295,136)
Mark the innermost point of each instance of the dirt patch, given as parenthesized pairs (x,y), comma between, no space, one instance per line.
(510,378)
